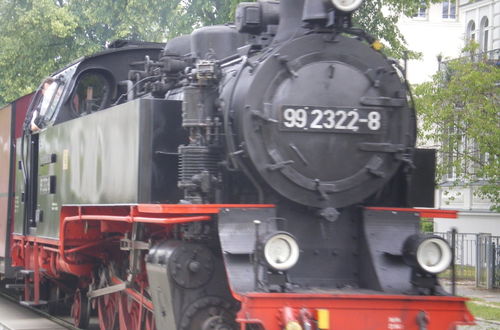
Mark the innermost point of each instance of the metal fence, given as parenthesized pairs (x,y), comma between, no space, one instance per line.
(486,267)
(477,258)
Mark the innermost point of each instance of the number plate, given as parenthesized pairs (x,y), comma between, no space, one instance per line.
(334,119)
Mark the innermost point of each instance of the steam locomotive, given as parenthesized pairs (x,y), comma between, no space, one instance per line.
(261,175)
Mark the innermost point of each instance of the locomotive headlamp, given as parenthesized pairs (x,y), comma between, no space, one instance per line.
(280,250)
(431,254)
(347,5)
(434,255)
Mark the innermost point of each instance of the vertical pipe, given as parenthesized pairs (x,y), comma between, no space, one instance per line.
(36,278)
(27,257)
(256,255)
(290,19)
(453,273)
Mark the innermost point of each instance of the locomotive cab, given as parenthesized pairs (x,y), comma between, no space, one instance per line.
(48,151)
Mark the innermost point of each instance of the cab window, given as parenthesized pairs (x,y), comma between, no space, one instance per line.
(92,93)
(46,103)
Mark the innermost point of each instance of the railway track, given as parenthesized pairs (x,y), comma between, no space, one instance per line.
(15,316)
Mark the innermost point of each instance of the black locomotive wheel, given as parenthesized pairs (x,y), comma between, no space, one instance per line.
(209,313)
(80,310)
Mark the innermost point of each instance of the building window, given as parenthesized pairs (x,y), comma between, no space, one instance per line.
(483,34)
(449,9)
(455,144)
(422,10)
(478,159)
(462,155)
(471,31)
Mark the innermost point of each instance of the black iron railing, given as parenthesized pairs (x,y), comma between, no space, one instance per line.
(491,56)
(477,257)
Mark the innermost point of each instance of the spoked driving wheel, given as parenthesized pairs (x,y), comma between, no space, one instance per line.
(130,313)
(80,310)
(107,310)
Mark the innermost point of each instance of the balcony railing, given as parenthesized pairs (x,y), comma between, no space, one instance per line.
(491,57)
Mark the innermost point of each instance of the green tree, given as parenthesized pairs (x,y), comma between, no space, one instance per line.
(379,18)
(459,109)
(191,14)
(35,40)
(40,36)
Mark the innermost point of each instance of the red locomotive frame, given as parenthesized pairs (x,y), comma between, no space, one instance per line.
(82,227)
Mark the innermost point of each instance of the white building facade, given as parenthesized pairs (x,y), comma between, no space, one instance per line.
(482,22)
(434,31)
(442,30)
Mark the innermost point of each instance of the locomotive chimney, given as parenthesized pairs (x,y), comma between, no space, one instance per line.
(290,19)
